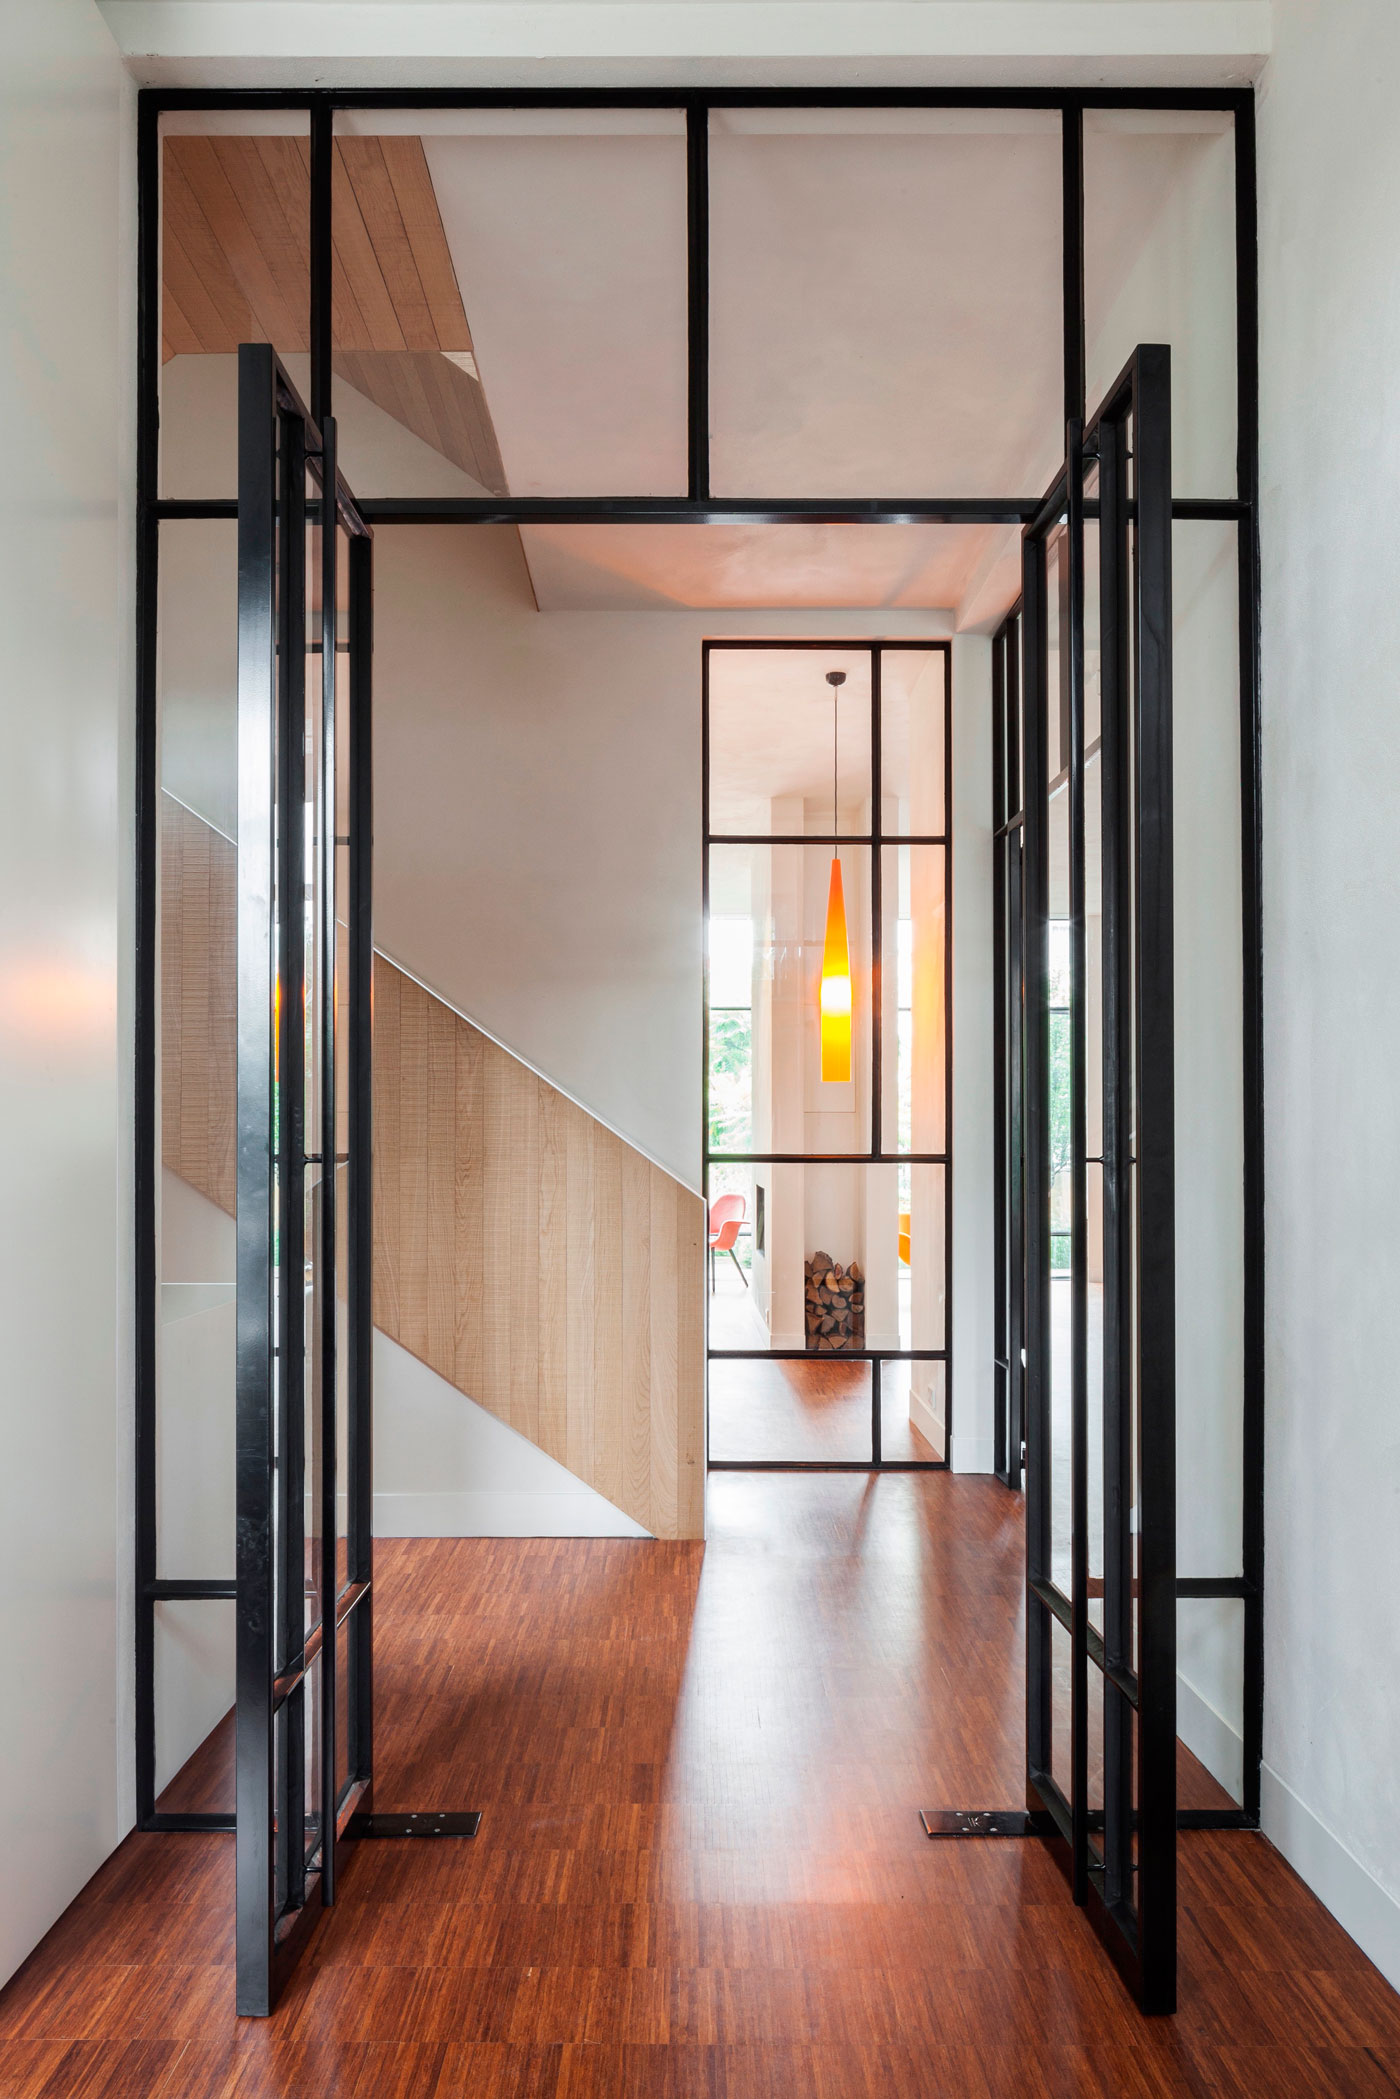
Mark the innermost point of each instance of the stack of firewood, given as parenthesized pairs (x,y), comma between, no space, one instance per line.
(835,1305)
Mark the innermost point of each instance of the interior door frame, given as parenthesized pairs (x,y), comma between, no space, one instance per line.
(155,1587)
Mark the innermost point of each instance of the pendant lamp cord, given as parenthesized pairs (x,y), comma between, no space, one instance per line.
(835,679)
(835,727)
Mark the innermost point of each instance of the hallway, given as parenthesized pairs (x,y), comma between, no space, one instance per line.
(701,1869)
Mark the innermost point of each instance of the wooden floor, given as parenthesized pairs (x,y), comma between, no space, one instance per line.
(700,1873)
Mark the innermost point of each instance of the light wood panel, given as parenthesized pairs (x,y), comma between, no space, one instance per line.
(524,1252)
(236,267)
(536,1261)
(198,1003)
(434,399)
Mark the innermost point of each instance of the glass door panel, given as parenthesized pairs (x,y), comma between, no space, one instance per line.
(1100,1296)
(302,1409)
(827,1174)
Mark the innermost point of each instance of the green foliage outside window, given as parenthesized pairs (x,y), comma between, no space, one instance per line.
(731,1079)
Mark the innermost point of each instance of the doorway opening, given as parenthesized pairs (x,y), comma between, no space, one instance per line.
(828,761)
(652,349)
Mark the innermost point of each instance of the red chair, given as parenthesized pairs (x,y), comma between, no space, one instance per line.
(726,1216)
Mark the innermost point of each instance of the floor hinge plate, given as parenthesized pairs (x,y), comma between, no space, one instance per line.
(434,1822)
(975,1822)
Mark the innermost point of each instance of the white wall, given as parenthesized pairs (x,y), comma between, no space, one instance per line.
(445,1468)
(537,818)
(537,855)
(1208,1031)
(66,279)
(1330,291)
(974,1238)
(196,1483)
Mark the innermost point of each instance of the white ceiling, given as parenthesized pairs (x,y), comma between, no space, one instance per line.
(772,724)
(269,43)
(616,568)
(885,321)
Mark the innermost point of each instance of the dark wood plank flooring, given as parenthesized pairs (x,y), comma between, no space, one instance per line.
(701,1873)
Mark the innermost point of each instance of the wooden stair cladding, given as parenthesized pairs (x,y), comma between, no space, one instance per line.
(198,1003)
(536,1261)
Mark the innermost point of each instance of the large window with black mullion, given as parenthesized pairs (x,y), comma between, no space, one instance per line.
(827,851)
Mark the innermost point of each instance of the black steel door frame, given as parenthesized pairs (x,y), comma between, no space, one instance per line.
(878,1152)
(1119,1852)
(696,504)
(293,1811)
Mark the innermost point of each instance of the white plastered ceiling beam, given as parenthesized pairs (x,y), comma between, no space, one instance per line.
(554,43)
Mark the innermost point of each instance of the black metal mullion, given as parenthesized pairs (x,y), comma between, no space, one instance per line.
(258,470)
(948,1165)
(705,998)
(719,95)
(1072,259)
(685,510)
(146,1269)
(1251,798)
(697,143)
(846,1355)
(326,1340)
(877,981)
(1015,1110)
(1155,1156)
(673,510)
(1116,1174)
(1001,1344)
(877,987)
(321,289)
(1072,713)
(1015,794)
(1015,1107)
(826,1158)
(291,1126)
(1035,934)
(360,1247)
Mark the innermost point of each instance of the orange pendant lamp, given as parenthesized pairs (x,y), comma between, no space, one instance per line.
(836,951)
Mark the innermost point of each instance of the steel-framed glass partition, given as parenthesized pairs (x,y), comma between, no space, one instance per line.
(304,1221)
(1101,1508)
(834,1347)
(282,171)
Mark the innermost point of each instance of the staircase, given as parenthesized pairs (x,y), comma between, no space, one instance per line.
(525,1253)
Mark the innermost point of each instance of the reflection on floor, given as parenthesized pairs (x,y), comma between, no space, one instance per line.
(815,1411)
(733,1321)
(700,1869)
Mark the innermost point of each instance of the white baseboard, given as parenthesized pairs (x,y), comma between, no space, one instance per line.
(931,1426)
(501,1513)
(971,1454)
(1363,1908)
(1210,1738)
